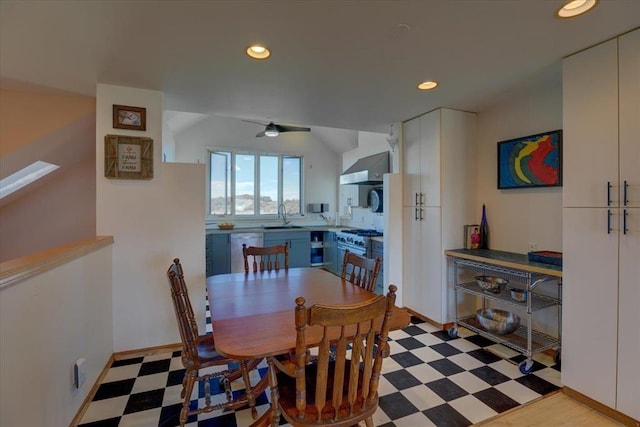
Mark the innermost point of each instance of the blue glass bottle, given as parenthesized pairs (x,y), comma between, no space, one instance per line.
(484,230)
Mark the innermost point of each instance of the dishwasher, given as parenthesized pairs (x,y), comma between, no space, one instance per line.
(237,239)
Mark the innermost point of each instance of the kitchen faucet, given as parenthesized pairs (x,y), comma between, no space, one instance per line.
(282,210)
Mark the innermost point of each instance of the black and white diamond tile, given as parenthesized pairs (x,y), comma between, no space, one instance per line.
(430,379)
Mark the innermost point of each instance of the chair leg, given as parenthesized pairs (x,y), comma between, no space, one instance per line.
(275,395)
(184,384)
(248,389)
(369,421)
(253,363)
(190,379)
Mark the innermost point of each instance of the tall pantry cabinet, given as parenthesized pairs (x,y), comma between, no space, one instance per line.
(438,199)
(601,223)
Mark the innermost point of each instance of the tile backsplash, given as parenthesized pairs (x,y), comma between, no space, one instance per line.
(363,218)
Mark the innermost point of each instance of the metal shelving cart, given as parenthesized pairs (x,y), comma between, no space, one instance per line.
(525,339)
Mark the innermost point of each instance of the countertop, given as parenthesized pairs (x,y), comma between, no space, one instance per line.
(213,229)
(506,259)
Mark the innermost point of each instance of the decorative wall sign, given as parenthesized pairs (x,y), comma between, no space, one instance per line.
(128,157)
(125,117)
(531,161)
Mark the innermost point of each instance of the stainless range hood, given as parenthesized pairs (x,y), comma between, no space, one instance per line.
(367,171)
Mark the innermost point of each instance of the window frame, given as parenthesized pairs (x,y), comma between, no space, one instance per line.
(231,196)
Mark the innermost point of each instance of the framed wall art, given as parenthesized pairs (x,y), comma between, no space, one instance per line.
(125,117)
(128,157)
(531,161)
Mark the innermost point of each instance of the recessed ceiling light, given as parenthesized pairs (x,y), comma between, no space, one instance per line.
(258,52)
(427,85)
(575,8)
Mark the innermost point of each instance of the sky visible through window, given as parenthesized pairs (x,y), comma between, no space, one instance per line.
(244,168)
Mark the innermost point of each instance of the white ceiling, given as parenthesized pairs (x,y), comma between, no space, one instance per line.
(341,64)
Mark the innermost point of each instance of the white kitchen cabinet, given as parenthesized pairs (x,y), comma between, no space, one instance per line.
(590,126)
(438,200)
(601,229)
(421,157)
(628,391)
(421,288)
(411,162)
(432,133)
(590,304)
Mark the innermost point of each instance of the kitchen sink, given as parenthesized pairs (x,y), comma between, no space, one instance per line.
(280,227)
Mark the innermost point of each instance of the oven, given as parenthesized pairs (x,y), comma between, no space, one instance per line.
(356,241)
(342,246)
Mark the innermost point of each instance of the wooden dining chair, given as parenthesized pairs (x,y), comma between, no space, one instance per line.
(199,352)
(340,392)
(361,271)
(269,257)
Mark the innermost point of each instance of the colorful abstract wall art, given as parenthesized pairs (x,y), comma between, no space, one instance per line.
(531,161)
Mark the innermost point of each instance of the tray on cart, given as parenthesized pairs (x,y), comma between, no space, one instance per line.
(546,257)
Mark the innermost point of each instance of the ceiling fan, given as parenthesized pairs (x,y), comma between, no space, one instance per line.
(272,129)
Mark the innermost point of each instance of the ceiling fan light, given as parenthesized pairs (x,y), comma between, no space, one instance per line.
(575,8)
(258,52)
(271,132)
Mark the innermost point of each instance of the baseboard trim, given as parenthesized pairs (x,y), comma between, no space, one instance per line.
(148,351)
(604,409)
(87,400)
(424,318)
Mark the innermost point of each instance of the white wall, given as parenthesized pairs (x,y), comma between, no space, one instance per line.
(47,322)
(61,130)
(152,222)
(320,162)
(519,217)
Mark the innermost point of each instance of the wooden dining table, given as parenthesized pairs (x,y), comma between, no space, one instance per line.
(253,314)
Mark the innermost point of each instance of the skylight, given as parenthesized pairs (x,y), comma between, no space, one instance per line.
(24,177)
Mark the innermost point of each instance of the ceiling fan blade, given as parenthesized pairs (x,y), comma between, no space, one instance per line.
(253,121)
(260,134)
(282,128)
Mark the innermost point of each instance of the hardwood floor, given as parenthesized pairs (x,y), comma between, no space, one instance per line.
(556,409)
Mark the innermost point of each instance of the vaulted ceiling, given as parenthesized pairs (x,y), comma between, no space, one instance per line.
(341,64)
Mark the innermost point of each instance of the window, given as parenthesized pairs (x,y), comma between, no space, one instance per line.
(245,185)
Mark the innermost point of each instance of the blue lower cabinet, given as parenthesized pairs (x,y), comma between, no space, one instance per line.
(299,246)
(330,256)
(218,254)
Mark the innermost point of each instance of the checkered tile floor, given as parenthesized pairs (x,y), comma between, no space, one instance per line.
(429,379)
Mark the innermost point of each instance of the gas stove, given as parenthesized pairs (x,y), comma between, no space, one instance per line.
(364,233)
(356,240)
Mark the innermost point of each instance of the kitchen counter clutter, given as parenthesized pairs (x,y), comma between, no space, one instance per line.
(517,273)
(309,246)
(213,228)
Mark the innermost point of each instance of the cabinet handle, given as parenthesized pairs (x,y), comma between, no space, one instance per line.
(626,186)
(421,214)
(416,213)
(608,193)
(416,199)
(608,221)
(624,221)
(421,199)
